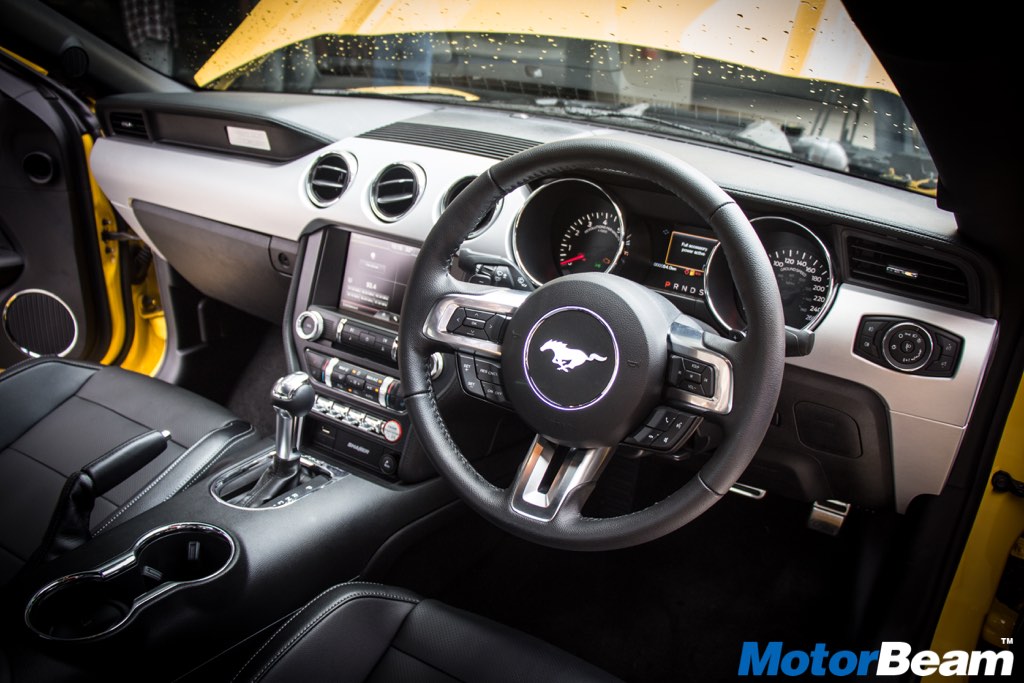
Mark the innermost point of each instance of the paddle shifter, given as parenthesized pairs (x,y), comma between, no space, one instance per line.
(292,398)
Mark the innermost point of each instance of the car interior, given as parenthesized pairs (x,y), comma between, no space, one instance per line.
(439,391)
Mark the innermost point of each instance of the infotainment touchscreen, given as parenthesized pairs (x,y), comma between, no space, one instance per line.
(681,270)
(376,273)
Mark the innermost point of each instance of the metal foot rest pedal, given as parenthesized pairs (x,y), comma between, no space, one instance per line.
(828,516)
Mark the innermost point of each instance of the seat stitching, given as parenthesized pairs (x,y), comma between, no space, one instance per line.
(124,508)
(282,627)
(319,618)
(427,664)
(215,456)
(122,415)
(199,475)
(14,372)
(37,460)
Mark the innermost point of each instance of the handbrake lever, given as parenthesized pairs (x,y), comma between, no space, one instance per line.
(70,524)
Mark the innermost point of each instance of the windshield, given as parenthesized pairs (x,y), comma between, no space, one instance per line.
(791,78)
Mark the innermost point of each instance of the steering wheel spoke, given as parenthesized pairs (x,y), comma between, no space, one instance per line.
(473,320)
(700,373)
(551,475)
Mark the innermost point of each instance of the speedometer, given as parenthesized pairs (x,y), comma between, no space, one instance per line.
(803,284)
(803,271)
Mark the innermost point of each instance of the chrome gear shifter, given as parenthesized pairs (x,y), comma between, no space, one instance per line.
(292,398)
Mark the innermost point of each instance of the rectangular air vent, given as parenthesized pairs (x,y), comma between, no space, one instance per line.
(489,145)
(131,123)
(917,274)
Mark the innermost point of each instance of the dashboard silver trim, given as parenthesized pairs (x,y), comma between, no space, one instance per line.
(519,214)
(922,456)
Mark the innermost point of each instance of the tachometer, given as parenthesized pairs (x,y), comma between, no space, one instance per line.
(568,226)
(590,244)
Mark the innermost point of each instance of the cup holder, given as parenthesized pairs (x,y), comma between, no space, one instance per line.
(99,602)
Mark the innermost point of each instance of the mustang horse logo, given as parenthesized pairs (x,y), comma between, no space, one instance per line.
(565,358)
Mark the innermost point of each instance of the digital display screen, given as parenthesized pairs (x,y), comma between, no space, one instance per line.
(376,274)
(681,268)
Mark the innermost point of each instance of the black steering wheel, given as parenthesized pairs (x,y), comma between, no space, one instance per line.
(586,359)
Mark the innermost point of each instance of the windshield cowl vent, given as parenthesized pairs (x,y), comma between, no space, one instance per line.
(454,192)
(919,274)
(489,145)
(395,191)
(130,123)
(328,179)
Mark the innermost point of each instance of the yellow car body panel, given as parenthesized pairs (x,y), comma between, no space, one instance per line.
(998,523)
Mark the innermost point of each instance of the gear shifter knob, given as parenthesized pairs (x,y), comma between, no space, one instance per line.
(293,394)
(292,397)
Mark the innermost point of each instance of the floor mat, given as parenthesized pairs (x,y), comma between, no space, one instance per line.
(676,609)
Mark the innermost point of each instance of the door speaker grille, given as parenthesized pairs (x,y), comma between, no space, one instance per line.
(39,323)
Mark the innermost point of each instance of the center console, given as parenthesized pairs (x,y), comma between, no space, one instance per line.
(345,483)
(345,332)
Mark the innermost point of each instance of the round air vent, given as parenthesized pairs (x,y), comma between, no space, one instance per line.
(329,178)
(395,191)
(454,191)
(39,323)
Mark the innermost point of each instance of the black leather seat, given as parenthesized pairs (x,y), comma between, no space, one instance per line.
(57,416)
(379,634)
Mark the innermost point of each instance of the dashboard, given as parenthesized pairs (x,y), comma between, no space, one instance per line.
(892,319)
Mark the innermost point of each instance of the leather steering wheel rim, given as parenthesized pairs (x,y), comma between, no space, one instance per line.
(759,357)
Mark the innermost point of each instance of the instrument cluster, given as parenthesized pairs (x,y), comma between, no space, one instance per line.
(572,226)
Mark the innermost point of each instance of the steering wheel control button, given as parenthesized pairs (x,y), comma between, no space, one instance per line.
(691,375)
(467,374)
(488,371)
(661,418)
(476,324)
(495,327)
(645,437)
(571,358)
(494,393)
(665,430)
(456,320)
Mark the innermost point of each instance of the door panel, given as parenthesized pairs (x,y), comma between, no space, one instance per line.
(52,298)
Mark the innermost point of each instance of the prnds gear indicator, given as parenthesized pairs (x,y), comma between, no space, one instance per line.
(682,268)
